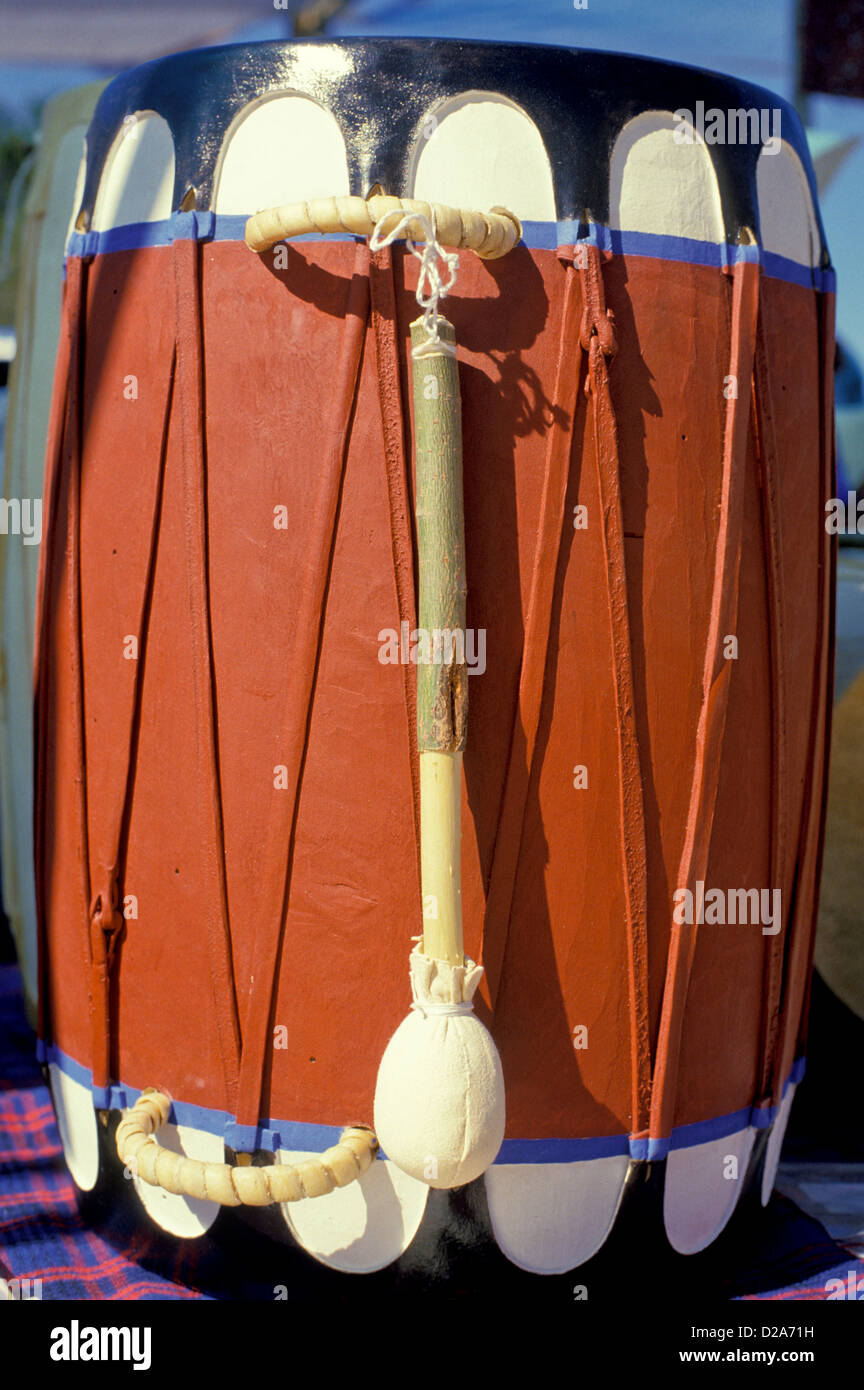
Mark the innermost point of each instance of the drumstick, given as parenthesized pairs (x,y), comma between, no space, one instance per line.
(439,1102)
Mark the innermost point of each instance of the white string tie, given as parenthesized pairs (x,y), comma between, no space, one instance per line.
(431,285)
(443,1010)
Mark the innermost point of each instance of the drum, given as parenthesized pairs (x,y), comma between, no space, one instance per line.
(46,221)
(227,781)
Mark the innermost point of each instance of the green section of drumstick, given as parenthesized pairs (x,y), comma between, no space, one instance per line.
(442,685)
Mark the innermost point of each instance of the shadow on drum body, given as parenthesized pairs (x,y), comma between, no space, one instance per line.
(634,398)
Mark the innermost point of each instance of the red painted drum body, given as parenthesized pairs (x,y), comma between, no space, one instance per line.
(227,861)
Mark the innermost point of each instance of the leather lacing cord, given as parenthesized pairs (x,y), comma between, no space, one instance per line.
(310,614)
(102,928)
(103,830)
(791,1033)
(244,1053)
(598,339)
(715,693)
(389,375)
(61,465)
(109,821)
(589,324)
(769,476)
(190,389)
(523,738)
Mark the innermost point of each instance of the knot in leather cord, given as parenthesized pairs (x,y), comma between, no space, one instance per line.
(597,328)
(106,919)
(601,328)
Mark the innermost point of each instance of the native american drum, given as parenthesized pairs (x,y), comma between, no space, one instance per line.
(47,213)
(230,796)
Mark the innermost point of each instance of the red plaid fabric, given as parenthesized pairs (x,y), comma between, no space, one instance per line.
(42,1235)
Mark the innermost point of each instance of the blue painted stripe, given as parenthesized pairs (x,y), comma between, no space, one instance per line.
(183,226)
(548,236)
(563,1150)
(652,244)
(684,1137)
(704,1131)
(782,268)
(290,1134)
(270,1135)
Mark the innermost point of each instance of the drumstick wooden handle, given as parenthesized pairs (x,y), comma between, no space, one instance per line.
(442,675)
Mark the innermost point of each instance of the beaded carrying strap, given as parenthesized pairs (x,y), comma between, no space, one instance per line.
(241,1184)
(491,234)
